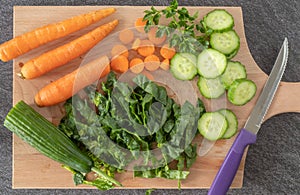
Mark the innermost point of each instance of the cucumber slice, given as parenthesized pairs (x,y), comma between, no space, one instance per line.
(225,42)
(230,56)
(232,123)
(211,63)
(233,71)
(183,66)
(241,91)
(219,20)
(211,88)
(212,125)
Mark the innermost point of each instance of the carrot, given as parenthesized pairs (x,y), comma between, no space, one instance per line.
(136,65)
(152,62)
(68,85)
(146,48)
(119,64)
(165,64)
(140,24)
(136,44)
(40,36)
(167,52)
(126,36)
(119,49)
(148,75)
(153,38)
(65,53)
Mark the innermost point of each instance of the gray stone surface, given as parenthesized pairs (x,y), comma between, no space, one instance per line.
(272,164)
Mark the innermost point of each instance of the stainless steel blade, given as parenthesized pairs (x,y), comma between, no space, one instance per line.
(263,103)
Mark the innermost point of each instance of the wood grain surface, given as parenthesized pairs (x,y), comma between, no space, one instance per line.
(33,170)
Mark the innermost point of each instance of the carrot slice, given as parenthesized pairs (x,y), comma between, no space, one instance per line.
(119,49)
(136,65)
(148,75)
(167,52)
(140,24)
(119,64)
(146,48)
(136,44)
(153,38)
(65,53)
(165,64)
(40,36)
(152,62)
(68,85)
(126,36)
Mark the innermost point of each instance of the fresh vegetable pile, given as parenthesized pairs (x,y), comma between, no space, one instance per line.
(139,127)
(117,126)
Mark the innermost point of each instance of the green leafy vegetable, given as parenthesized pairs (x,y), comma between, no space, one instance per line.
(183,28)
(133,126)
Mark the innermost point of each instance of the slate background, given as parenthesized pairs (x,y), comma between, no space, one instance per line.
(272,164)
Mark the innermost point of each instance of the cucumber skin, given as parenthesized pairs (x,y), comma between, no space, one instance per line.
(236,123)
(42,135)
(233,87)
(219,30)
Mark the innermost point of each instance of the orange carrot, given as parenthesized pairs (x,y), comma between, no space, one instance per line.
(165,64)
(68,85)
(148,75)
(119,64)
(65,53)
(119,49)
(126,36)
(136,44)
(136,65)
(152,62)
(167,52)
(40,36)
(146,48)
(140,24)
(153,38)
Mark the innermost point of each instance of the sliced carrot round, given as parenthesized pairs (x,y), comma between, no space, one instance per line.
(140,24)
(119,64)
(126,36)
(167,52)
(136,65)
(136,44)
(152,62)
(153,38)
(146,48)
(165,64)
(119,49)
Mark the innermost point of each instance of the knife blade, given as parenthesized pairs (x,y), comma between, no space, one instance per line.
(247,135)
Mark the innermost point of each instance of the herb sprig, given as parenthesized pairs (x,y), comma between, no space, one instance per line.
(184,31)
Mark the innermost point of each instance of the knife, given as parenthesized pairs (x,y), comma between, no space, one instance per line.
(247,135)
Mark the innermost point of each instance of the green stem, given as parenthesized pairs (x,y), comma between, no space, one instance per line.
(100,173)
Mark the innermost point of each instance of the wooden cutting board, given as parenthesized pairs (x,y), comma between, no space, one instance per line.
(33,170)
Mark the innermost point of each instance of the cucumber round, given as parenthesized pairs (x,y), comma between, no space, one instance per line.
(219,20)
(226,42)
(211,63)
(212,125)
(233,54)
(241,91)
(211,88)
(232,123)
(183,66)
(233,71)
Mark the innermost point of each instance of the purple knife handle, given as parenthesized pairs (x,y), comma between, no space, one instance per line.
(231,163)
